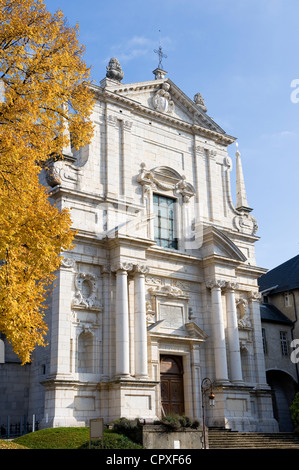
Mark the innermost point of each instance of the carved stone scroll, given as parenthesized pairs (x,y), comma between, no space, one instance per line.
(85,295)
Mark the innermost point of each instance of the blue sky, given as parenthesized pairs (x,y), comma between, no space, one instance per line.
(242,56)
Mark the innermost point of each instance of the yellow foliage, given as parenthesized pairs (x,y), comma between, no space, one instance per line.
(43,88)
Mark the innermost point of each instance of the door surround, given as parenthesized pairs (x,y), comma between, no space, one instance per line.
(172,384)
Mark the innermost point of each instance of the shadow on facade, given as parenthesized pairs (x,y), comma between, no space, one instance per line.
(283,389)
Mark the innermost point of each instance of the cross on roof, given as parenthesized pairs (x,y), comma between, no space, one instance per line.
(161,55)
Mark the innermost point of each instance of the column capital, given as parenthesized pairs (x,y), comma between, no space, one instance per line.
(106,269)
(122,266)
(215,283)
(254,296)
(231,285)
(140,268)
(222,284)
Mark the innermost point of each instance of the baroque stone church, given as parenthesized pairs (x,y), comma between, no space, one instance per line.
(160,291)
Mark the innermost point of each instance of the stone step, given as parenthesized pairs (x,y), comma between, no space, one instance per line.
(227,439)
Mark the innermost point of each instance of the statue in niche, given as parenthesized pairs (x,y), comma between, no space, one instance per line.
(244,317)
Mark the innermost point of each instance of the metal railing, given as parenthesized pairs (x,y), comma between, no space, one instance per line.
(11,428)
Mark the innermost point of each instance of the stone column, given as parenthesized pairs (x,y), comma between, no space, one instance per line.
(233,334)
(221,371)
(122,337)
(140,322)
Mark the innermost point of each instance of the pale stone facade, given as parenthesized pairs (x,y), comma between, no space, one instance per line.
(123,301)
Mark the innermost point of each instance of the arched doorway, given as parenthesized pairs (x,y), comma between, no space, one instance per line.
(283,389)
(172,385)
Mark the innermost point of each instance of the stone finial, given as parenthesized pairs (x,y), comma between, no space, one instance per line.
(159,73)
(199,101)
(114,71)
(242,203)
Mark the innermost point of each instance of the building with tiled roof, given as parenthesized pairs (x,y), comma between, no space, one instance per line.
(279,289)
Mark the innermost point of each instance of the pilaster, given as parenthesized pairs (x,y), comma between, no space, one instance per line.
(60,330)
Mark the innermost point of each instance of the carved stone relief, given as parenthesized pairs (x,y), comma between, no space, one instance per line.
(58,172)
(243,314)
(150,312)
(246,223)
(85,295)
(52,174)
(162,99)
(168,291)
(68,263)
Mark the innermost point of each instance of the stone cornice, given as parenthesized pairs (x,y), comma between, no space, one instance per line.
(91,198)
(164,253)
(130,241)
(249,269)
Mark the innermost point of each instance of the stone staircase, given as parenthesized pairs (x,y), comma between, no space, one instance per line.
(227,439)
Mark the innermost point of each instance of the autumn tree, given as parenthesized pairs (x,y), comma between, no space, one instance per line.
(44,91)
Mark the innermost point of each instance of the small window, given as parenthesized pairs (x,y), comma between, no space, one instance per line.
(287,300)
(284,343)
(264,341)
(164,224)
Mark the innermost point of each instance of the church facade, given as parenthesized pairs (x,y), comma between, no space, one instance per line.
(160,291)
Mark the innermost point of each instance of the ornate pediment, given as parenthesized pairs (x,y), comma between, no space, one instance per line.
(165,98)
(216,243)
(189,332)
(167,179)
(196,332)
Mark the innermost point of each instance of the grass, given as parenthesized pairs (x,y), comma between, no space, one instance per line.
(67,438)
(4,444)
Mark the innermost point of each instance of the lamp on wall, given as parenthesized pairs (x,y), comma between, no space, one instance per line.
(212,399)
(206,386)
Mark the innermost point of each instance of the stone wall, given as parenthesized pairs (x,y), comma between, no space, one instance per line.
(159,437)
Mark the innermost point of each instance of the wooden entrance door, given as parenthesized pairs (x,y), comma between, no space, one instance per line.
(172,386)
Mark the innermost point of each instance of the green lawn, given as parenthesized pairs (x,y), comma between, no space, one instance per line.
(68,438)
